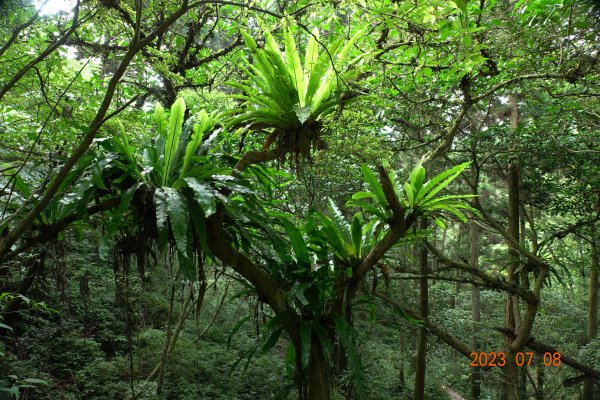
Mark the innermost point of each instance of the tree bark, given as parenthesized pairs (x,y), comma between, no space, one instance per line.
(511,321)
(475,309)
(319,372)
(424,311)
(592,326)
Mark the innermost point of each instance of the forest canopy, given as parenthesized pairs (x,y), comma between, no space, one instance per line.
(290,199)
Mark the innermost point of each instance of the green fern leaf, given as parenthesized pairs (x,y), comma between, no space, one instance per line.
(172,139)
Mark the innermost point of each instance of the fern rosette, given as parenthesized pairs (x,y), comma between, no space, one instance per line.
(288,96)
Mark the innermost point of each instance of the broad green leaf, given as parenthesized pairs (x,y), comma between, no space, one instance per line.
(272,339)
(310,59)
(367,208)
(4,326)
(198,218)
(160,207)
(333,235)
(369,177)
(439,222)
(447,198)
(303,113)
(187,265)
(357,234)
(200,128)
(355,368)
(178,218)
(461,4)
(299,294)
(274,329)
(410,194)
(204,196)
(297,241)
(161,119)
(450,209)
(236,328)
(290,359)
(172,138)
(327,82)
(417,177)
(363,195)
(321,71)
(294,67)
(323,339)
(21,186)
(340,222)
(440,181)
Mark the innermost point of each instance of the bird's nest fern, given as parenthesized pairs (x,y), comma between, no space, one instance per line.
(287,97)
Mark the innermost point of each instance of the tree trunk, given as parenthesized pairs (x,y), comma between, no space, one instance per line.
(592,327)
(319,372)
(475,309)
(524,278)
(511,372)
(424,311)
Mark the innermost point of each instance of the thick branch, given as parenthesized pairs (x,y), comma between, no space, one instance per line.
(260,279)
(534,259)
(256,157)
(449,136)
(398,227)
(516,79)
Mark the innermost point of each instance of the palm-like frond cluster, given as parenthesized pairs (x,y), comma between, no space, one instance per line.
(287,95)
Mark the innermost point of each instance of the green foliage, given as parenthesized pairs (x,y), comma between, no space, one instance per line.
(438,81)
(284,94)
(355,369)
(348,243)
(416,197)
(12,384)
(176,166)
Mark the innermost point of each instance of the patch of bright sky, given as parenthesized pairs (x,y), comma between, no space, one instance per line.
(51,7)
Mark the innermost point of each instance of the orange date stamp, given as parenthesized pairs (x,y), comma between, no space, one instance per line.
(498,359)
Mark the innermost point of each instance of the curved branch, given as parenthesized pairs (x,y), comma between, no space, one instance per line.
(444,336)
(540,347)
(266,286)
(499,283)
(398,228)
